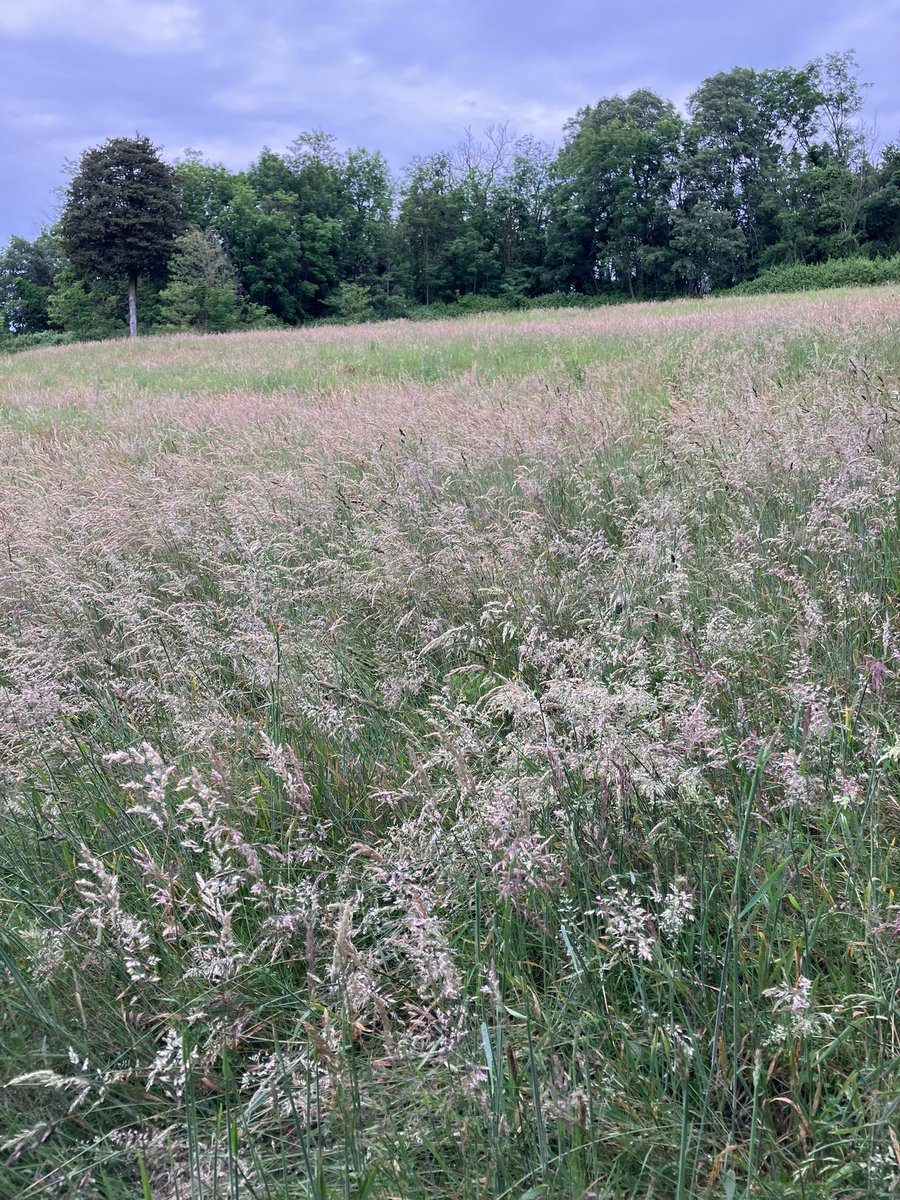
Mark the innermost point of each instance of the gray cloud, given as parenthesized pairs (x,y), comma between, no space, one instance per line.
(395,75)
(165,26)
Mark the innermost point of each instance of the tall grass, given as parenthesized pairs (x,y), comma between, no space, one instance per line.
(459,761)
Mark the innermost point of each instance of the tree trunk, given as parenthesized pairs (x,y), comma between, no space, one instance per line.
(132,306)
(427,271)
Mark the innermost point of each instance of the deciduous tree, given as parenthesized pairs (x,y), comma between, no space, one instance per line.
(26,281)
(615,178)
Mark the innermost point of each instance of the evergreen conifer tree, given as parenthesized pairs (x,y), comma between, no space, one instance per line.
(121,215)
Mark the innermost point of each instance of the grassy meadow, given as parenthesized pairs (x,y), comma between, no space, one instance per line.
(455,760)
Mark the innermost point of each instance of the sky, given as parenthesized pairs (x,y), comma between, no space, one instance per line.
(405,77)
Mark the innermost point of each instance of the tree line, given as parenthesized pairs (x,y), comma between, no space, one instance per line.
(640,201)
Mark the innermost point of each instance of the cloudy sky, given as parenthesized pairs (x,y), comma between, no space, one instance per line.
(402,76)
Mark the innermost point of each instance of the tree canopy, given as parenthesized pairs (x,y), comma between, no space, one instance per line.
(122,214)
(762,169)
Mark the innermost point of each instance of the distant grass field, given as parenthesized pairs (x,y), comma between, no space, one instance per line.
(456,759)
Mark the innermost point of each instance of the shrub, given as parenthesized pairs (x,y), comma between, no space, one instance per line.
(10,343)
(837,272)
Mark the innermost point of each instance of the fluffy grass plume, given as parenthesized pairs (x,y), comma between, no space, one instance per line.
(456,760)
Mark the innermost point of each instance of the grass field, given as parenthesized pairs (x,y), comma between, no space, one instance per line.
(455,760)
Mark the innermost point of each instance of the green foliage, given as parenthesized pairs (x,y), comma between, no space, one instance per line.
(10,344)
(521,207)
(263,244)
(92,310)
(122,211)
(615,177)
(746,134)
(469,305)
(366,222)
(85,310)
(26,281)
(839,99)
(880,219)
(767,169)
(121,215)
(845,272)
(297,225)
(709,248)
(204,189)
(880,214)
(429,220)
(819,216)
(203,291)
(352,302)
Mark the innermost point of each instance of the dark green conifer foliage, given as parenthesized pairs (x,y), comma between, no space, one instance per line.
(122,214)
